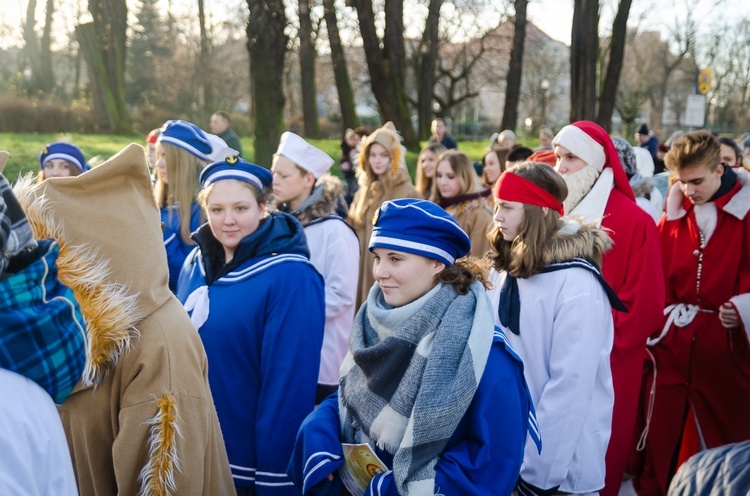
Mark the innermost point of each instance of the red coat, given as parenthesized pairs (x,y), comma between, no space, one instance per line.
(701,365)
(633,269)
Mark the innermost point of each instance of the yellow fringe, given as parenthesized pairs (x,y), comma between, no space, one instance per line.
(109,309)
(157,477)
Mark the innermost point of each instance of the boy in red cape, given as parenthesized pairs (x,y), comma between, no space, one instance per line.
(598,190)
(702,356)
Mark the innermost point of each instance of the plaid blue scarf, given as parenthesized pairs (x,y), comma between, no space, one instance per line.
(15,232)
(42,334)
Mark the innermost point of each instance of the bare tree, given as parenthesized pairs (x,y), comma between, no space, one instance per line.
(386,65)
(584,52)
(343,85)
(307,57)
(608,94)
(515,68)
(204,60)
(267,44)
(427,57)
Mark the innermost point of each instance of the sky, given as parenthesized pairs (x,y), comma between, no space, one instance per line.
(554,17)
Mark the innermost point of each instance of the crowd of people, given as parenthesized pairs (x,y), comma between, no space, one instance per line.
(546,321)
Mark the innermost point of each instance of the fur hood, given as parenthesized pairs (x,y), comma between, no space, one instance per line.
(576,240)
(111,250)
(330,188)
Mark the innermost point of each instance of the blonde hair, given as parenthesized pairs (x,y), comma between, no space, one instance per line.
(525,255)
(183,171)
(465,174)
(424,183)
(694,149)
(367,177)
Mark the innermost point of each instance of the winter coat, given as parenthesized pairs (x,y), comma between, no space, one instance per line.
(263,334)
(724,470)
(334,251)
(474,213)
(177,248)
(370,198)
(565,339)
(142,420)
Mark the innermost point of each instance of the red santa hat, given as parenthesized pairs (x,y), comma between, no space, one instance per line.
(589,141)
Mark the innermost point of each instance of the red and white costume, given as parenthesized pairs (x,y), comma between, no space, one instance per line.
(702,368)
(633,269)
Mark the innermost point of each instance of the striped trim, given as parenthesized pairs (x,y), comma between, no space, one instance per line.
(63,156)
(274,484)
(402,243)
(262,265)
(380,483)
(170,239)
(188,148)
(238,174)
(450,221)
(244,469)
(330,458)
(242,477)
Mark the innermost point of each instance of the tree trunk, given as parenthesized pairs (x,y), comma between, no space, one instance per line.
(388,89)
(205,61)
(584,52)
(428,52)
(515,68)
(307,71)
(614,67)
(110,26)
(343,85)
(104,107)
(30,46)
(46,78)
(266,43)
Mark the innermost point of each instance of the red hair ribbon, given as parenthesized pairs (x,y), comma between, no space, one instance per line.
(512,187)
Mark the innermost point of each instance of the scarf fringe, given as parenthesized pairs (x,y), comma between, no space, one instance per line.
(109,309)
(157,477)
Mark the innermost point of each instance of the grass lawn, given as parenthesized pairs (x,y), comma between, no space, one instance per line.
(24,149)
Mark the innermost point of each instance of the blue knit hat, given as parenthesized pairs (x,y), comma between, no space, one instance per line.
(63,151)
(234,167)
(420,227)
(187,136)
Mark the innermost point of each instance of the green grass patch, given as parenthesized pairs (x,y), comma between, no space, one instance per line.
(24,149)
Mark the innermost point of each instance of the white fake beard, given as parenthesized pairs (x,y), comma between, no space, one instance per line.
(579,184)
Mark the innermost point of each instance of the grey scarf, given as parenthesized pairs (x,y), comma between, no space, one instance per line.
(410,376)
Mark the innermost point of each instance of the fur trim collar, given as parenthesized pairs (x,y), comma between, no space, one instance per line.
(325,206)
(738,206)
(574,240)
(459,209)
(109,309)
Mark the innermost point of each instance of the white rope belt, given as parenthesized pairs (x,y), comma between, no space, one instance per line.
(681,315)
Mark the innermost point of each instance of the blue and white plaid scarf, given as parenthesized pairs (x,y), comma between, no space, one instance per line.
(15,232)
(410,376)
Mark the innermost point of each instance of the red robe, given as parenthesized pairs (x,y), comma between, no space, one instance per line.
(701,365)
(633,269)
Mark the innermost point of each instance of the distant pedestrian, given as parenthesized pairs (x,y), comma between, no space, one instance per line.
(220,125)
(441,135)
(647,140)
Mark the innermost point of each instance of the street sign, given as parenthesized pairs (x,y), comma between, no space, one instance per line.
(704,81)
(695,111)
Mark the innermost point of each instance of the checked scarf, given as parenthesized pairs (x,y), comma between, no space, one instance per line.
(15,232)
(410,376)
(42,335)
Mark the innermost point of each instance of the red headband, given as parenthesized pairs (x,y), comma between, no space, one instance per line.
(512,187)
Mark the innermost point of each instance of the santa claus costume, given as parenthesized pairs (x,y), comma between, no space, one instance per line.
(632,268)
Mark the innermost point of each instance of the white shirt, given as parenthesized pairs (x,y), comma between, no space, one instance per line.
(34,454)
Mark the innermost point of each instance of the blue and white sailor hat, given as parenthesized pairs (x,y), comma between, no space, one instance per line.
(233,167)
(63,151)
(420,227)
(194,140)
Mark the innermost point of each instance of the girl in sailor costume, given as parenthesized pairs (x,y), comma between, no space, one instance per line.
(182,151)
(429,385)
(555,308)
(259,306)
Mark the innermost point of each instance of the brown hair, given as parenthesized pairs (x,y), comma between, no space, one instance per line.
(502,156)
(424,183)
(183,171)
(463,273)
(524,256)
(694,149)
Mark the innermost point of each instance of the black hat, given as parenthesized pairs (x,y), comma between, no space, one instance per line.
(643,129)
